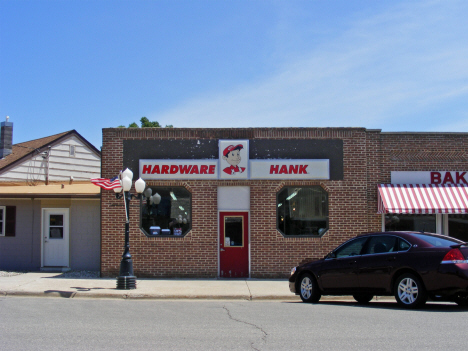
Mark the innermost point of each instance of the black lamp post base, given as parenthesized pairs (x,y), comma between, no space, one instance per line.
(126,282)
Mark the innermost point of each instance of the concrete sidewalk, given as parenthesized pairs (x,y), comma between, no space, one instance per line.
(52,284)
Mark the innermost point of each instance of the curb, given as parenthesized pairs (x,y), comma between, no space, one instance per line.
(136,296)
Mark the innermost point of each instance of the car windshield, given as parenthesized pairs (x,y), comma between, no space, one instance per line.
(437,241)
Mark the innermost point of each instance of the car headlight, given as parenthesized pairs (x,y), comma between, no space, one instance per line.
(293,270)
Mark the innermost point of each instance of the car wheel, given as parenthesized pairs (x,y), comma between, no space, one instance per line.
(363,298)
(409,291)
(308,289)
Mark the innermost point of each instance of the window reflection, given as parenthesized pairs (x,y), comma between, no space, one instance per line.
(458,226)
(56,227)
(166,211)
(233,231)
(302,211)
(352,248)
(410,222)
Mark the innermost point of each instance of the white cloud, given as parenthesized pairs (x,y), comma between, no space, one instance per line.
(383,72)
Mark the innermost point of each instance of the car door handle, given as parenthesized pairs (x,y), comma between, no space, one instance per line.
(391,259)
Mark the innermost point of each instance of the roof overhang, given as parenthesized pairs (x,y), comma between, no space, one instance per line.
(83,191)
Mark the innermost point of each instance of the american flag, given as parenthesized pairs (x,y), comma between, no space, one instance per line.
(107,184)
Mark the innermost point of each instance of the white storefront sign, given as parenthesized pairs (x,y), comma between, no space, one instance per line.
(179,169)
(233,163)
(259,169)
(289,169)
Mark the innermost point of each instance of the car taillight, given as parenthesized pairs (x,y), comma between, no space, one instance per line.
(454,256)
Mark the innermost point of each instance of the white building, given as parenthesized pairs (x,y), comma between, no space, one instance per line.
(49,209)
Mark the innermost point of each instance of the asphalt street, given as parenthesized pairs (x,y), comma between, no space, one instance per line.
(30,323)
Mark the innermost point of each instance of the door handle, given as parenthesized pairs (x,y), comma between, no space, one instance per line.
(391,259)
(222,250)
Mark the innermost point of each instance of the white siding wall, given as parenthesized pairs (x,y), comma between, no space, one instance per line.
(83,166)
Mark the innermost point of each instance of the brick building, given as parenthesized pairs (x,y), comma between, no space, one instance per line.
(255,202)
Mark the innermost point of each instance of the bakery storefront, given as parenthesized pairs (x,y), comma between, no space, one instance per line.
(254,202)
(431,201)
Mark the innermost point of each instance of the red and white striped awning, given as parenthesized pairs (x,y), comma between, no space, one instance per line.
(422,198)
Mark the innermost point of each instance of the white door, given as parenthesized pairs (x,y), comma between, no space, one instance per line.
(55,233)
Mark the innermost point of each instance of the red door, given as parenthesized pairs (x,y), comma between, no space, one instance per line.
(234,244)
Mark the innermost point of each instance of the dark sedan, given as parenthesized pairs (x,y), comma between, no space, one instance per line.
(412,266)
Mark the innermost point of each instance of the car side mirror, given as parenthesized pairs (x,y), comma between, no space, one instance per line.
(331,255)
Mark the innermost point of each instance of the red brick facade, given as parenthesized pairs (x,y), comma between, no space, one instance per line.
(368,158)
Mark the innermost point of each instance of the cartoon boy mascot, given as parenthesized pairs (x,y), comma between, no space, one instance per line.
(232,156)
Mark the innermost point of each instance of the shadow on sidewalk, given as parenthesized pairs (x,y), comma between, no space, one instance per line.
(65,294)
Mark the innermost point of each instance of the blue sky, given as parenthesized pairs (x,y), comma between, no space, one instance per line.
(88,65)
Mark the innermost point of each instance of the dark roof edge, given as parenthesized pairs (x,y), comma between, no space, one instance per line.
(48,136)
(280,128)
(86,141)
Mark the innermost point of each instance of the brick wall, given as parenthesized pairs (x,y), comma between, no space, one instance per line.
(368,157)
(423,152)
(374,177)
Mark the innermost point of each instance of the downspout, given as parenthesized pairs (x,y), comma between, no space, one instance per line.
(47,171)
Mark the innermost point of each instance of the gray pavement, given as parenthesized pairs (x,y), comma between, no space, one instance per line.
(46,284)
(54,285)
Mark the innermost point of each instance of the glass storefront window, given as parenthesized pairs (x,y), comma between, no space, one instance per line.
(410,222)
(302,211)
(166,212)
(458,226)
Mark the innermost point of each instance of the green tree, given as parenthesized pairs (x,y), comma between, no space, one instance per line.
(145,123)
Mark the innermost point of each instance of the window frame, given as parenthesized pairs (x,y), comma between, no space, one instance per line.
(9,221)
(143,202)
(327,218)
(400,241)
(3,220)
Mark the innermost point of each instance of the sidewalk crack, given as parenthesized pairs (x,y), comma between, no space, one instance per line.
(248,288)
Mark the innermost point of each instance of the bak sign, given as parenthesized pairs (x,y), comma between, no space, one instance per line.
(435,177)
(448,178)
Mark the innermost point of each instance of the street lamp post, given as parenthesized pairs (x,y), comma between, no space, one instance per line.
(126,280)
